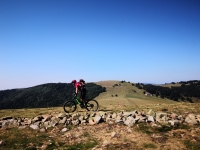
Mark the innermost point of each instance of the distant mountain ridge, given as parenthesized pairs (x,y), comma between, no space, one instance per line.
(179,91)
(45,95)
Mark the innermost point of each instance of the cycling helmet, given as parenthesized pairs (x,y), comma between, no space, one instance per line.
(73,81)
(81,80)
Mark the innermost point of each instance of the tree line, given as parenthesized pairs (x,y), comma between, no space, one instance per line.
(188,91)
(45,95)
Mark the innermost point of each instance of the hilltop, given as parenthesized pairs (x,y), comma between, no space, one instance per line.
(121,93)
(126,95)
(109,93)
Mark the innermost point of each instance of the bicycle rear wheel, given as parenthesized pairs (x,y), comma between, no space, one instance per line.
(92,105)
(69,106)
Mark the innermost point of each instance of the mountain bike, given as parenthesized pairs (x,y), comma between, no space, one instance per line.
(71,106)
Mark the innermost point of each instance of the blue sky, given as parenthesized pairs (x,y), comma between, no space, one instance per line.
(51,41)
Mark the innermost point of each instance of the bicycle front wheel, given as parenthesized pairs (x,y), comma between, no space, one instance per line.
(92,105)
(69,106)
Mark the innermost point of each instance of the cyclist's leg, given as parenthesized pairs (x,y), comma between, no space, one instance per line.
(83,95)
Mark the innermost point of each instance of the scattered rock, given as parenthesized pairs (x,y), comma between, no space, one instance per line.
(34,127)
(105,142)
(113,134)
(64,130)
(44,122)
(130,121)
(191,119)
(151,113)
(2,142)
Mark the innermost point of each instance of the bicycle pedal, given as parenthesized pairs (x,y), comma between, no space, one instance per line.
(82,106)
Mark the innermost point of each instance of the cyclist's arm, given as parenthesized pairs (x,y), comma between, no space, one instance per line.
(76,90)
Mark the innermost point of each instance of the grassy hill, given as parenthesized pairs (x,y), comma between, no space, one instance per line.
(126,95)
(118,93)
(118,96)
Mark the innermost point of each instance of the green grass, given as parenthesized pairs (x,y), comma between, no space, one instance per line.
(82,146)
(28,139)
(190,145)
(17,139)
(145,128)
(149,145)
(127,94)
(29,112)
(90,143)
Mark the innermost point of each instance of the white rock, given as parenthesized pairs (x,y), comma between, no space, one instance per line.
(64,130)
(34,127)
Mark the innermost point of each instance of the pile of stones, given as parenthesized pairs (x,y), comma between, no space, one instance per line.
(43,122)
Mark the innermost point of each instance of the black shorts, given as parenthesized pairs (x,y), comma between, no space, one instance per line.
(83,93)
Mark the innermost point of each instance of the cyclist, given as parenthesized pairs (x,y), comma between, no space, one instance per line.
(80,86)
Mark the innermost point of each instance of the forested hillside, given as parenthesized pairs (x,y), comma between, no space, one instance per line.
(186,91)
(45,95)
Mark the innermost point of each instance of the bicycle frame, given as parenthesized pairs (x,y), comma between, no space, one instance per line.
(76,99)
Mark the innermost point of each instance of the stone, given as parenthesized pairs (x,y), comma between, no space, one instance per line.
(150,119)
(130,121)
(75,116)
(151,113)
(83,122)
(54,121)
(118,119)
(47,124)
(97,119)
(93,114)
(34,127)
(5,124)
(46,118)
(63,120)
(13,123)
(101,113)
(161,117)
(43,130)
(114,115)
(105,142)
(64,130)
(127,114)
(174,122)
(61,115)
(37,123)
(113,134)
(22,127)
(190,119)
(2,142)
(37,118)
(75,122)
(174,116)
(91,121)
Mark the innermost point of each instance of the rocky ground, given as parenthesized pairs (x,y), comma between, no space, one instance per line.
(103,130)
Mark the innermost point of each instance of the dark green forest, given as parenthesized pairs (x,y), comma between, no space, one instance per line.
(188,91)
(45,95)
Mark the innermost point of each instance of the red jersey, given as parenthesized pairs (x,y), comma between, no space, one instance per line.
(77,85)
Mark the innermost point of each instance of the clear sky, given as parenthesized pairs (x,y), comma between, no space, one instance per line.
(51,41)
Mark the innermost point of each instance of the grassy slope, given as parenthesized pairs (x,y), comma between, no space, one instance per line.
(127,94)
(140,137)
(127,99)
